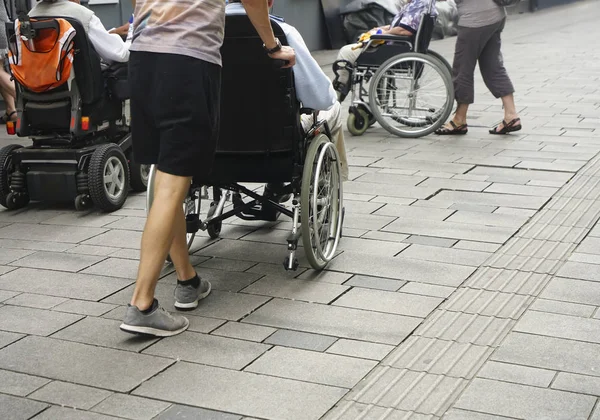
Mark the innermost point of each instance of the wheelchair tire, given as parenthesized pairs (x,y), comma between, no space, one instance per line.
(321,202)
(139,174)
(414,67)
(213,228)
(108,177)
(6,169)
(358,125)
(445,63)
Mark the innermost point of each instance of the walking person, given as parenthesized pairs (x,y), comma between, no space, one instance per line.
(480,24)
(175,78)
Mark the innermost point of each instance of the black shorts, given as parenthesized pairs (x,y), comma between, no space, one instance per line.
(174,112)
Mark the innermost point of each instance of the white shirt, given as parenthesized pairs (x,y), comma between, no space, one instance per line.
(313,87)
(110,47)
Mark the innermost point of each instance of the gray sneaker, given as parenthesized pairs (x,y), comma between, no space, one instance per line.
(159,322)
(187,297)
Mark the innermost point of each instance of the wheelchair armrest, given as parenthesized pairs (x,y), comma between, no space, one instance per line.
(397,38)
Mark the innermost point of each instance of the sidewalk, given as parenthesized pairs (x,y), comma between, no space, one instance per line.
(468,286)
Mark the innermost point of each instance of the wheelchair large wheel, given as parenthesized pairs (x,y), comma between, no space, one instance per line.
(191,203)
(411,95)
(321,202)
(108,177)
(444,63)
(6,170)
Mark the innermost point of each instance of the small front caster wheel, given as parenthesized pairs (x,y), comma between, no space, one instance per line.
(15,201)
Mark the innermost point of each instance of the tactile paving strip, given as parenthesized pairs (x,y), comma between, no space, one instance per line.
(423,377)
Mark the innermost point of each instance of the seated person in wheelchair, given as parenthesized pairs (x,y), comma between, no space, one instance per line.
(405,23)
(110,47)
(314,89)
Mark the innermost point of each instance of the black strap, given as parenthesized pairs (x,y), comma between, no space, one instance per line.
(22,10)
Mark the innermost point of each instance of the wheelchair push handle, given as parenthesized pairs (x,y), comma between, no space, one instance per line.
(278,64)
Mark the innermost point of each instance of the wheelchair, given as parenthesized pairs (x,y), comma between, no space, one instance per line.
(262,141)
(81,141)
(401,84)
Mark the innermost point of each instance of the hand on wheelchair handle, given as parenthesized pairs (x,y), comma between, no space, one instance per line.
(286,55)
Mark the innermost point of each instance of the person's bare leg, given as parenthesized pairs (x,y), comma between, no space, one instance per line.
(460,116)
(510,110)
(158,235)
(179,250)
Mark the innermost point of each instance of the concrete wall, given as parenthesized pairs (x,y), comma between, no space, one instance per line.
(307,17)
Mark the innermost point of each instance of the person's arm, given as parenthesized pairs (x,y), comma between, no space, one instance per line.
(121,30)
(399,31)
(110,47)
(258,12)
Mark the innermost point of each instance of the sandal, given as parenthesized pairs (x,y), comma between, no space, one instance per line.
(514,125)
(7,117)
(456,129)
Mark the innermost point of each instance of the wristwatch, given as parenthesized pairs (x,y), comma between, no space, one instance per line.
(275,48)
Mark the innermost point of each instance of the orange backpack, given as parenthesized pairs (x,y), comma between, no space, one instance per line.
(44,62)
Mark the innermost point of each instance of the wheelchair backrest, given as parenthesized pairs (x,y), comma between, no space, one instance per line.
(259,109)
(86,62)
(424,33)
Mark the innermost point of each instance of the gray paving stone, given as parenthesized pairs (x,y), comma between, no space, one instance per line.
(241,392)
(244,331)
(457,414)
(483,302)
(183,412)
(325,276)
(242,255)
(79,363)
(392,179)
(565,308)
(430,241)
(402,269)
(70,395)
(216,351)
(18,384)
(424,289)
(379,283)
(390,190)
(523,375)
(554,233)
(49,233)
(83,307)
(451,230)
(115,267)
(446,255)
(366,246)
(585,258)
(390,302)
(421,354)
(549,353)
(385,236)
(128,223)
(116,238)
(7,338)
(279,271)
(63,413)
(523,213)
(477,246)
(6,295)
(561,326)
(521,190)
(423,165)
(360,349)
(330,320)
(509,281)
(35,301)
(92,250)
(472,208)
(57,261)
(35,245)
(304,290)
(61,284)
(5,269)
(301,340)
(411,386)
(524,401)
(455,184)
(580,384)
(103,332)
(10,255)
(575,291)
(309,366)
(131,407)
(492,199)
(362,207)
(83,219)
(28,215)
(223,305)
(549,250)
(366,221)
(34,321)
(580,271)
(488,219)
(465,328)
(590,245)
(413,212)
(596,415)
(15,408)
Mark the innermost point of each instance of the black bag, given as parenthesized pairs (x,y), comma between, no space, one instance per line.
(117,82)
(505,3)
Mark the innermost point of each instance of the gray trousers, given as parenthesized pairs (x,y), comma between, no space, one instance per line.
(483,45)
